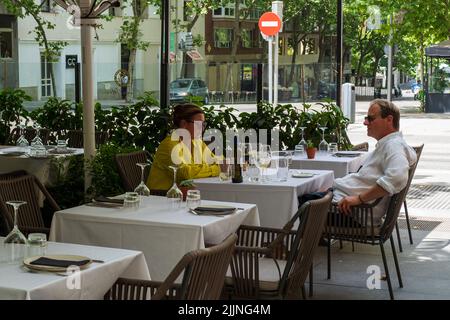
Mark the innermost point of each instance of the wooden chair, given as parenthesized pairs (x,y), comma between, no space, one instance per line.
(203,273)
(75,138)
(24,187)
(29,134)
(274,263)
(360,228)
(418,150)
(129,172)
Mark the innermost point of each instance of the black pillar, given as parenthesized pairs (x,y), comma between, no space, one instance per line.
(259,81)
(164,55)
(339,49)
(77,83)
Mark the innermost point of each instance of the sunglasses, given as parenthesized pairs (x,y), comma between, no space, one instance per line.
(370,118)
(203,123)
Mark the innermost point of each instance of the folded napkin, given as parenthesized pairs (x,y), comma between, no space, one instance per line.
(43,261)
(105,199)
(12,153)
(214,209)
(346,155)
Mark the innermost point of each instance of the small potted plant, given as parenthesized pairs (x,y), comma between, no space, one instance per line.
(186,185)
(310,149)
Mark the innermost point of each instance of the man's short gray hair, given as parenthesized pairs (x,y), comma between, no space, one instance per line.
(388,108)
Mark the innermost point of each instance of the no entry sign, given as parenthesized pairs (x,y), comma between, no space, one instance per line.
(269,24)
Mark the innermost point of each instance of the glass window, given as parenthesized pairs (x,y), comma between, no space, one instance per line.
(45,5)
(223,37)
(6,44)
(247,38)
(46,80)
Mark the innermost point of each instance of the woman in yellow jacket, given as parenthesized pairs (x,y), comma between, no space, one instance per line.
(184,148)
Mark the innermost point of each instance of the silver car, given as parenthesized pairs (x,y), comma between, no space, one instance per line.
(182,89)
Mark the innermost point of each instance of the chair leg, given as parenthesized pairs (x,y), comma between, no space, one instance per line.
(407,222)
(329,257)
(398,238)
(340,244)
(397,267)
(311,280)
(303,292)
(386,270)
(353,246)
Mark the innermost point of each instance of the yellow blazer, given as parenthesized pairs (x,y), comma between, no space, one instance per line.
(199,162)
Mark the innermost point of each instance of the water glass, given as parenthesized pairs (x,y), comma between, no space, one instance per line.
(225,172)
(61,146)
(333,147)
(36,244)
(131,200)
(193,199)
(283,169)
(299,150)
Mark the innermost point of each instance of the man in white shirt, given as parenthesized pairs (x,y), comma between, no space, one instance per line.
(385,171)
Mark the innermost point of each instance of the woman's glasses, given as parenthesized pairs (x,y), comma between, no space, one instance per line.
(203,123)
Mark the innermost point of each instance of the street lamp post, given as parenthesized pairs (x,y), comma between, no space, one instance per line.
(339,47)
(85,14)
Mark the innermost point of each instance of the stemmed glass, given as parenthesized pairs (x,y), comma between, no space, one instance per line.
(142,189)
(247,150)
(323,146)
(22,141)
(263,159)
(303,141)
(15,236)
(37,139)
(174,194)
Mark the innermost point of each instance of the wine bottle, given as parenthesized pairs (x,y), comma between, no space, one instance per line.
(237,170)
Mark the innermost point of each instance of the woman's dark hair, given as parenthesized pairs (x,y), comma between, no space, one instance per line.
(185,112)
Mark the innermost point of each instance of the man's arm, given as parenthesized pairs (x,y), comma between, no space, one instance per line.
(373,193)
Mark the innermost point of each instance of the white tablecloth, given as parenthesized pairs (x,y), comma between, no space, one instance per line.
(277,202)
(164,235)
(41,168)
(18,283)
(340,165)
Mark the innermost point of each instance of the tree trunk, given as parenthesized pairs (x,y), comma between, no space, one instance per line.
(130,85)
(236,39)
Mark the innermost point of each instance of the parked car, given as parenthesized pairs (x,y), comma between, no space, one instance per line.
(182,89)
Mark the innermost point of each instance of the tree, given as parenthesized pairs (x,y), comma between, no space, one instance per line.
(52,49)
(131,36)
(194,10)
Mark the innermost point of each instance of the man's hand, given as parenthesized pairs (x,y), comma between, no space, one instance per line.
(346,203)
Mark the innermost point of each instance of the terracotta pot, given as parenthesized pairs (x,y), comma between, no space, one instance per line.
(311,153)
(184,190)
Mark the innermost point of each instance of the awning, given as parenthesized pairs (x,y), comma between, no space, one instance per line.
(441,50)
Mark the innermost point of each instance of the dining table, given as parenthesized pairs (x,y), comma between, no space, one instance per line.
(342,162)
(14,158)
(163,233)
(18,282)
(277,201)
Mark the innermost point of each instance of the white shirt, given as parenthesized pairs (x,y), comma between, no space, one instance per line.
(387,166)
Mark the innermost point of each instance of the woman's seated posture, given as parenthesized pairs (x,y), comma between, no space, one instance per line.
(183,148)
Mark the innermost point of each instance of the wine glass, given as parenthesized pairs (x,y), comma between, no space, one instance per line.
(323,146)
(302,141)
(263,159)
(247,149)
(174,194)
(37,139)
(142,189)
(15,236)
(22,141)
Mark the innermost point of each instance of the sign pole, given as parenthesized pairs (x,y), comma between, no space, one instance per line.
(275,73)
(270,70)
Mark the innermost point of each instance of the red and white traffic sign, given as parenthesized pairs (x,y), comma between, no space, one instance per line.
(269,23)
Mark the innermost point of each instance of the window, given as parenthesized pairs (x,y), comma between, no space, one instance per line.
(6,43)
(45,6)
(227,11)
(309,46)
(247,38)
(281,46)
(46,80)
(223,37)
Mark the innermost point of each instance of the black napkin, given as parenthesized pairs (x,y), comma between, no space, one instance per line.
(347,155)
(43,261)
(105,199)
(213,209)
